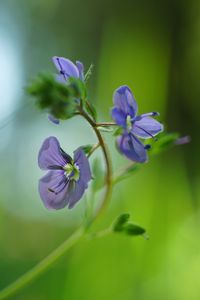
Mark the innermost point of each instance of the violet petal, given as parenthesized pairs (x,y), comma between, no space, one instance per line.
(50,154)
(146,127)
(66,67)
(132,148)
(125,101)
(53,189)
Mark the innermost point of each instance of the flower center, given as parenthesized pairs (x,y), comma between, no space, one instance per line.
(72,171)
(128,122)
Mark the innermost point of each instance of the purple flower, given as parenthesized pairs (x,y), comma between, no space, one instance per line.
(67,178)
(143,126)
(66,70)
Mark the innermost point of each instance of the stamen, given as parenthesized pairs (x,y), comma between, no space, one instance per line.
(129,122)
(154,113)
(72,171)
(147,147)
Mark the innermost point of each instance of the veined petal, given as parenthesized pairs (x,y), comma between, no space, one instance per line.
(132,148)
(76,191)
(53,188)
(80,67)
(151,114)
(82,162)
(125,101)
(50,154)
(66,67)
(119,117)
(147,127)
(77,188)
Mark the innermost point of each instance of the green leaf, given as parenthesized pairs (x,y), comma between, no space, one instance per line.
(119,223)
(98,175)
(87,148)
(90,110)
(164,142)
(133,229)
(118,131)
(78,88)
(122,225)
(89,72)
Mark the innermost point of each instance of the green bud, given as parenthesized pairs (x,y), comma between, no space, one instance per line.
(120,222)
(53,96)
(133,229)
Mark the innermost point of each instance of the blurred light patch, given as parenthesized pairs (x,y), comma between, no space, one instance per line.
(10,75)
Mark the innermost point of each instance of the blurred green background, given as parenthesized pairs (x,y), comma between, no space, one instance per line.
(154,47)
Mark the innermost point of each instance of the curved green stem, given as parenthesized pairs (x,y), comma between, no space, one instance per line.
(77,235)
(108,177)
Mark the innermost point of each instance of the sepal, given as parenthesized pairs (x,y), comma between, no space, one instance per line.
(54,97)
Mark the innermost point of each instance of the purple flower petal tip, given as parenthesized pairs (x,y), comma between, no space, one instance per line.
(183,140)
(53,120)
(80,67)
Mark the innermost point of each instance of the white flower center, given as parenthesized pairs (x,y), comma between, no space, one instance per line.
(128,122)
(72,171)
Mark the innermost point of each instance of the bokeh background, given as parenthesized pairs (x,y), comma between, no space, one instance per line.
(154,47)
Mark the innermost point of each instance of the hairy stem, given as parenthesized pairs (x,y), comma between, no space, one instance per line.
(48,261)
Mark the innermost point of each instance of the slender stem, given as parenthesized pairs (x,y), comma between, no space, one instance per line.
(99,234)
(108,177)
(104,124)
(94,148)
(42,266)
(77,235)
